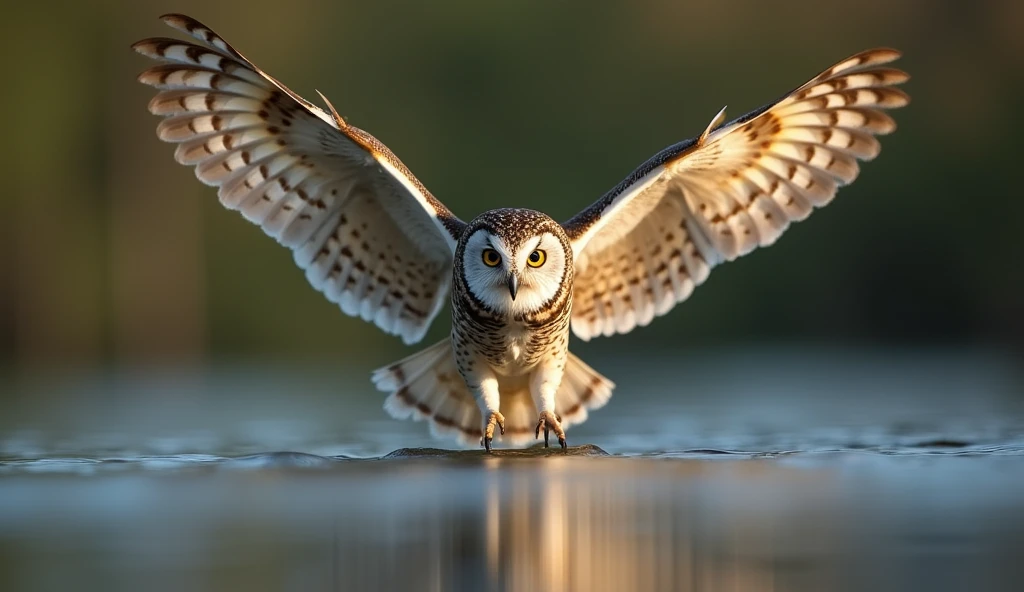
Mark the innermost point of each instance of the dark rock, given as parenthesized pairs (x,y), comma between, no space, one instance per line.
(536,451)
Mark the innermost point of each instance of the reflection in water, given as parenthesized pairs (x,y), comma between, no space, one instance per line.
(906,476)
(618,524)
(613,530)
(844,521)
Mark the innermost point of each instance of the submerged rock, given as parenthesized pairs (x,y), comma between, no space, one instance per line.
(537,451)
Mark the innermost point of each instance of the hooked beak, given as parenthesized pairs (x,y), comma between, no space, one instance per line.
(513,284)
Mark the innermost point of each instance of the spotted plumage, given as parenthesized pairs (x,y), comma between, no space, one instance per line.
(375,241)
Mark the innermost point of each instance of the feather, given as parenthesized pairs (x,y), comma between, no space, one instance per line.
(364,229)
(426,386)
(734,188)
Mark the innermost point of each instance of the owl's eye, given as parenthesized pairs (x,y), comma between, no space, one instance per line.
(491,258)
(536,258)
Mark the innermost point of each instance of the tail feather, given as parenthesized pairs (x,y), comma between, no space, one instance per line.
(427,385)
(395,375)
(582,388)
(520,415)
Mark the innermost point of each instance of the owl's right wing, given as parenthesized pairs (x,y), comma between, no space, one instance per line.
(645,245)
(368,234)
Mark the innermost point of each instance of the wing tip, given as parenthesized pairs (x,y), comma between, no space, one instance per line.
(182,22)
(892,53)
(875,56)
(145,46)
(200,31)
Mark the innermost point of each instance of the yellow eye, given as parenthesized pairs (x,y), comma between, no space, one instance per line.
(536,258)
(491,258)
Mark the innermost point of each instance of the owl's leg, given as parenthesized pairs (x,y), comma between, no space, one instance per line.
(489,401)
(544,385)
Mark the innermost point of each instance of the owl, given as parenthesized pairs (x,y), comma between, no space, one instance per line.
(376,242)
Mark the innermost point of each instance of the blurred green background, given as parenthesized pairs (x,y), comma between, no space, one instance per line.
(111,254)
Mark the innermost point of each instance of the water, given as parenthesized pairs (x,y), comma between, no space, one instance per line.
(782,470)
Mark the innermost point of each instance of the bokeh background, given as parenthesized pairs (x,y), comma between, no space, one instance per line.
(114,257)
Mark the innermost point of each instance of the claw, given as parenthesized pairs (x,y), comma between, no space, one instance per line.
(493,419)
(548,422)
(542,425)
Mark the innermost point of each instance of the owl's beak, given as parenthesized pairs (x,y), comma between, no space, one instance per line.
(513,284)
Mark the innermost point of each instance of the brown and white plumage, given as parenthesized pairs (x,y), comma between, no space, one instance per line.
(372,239)
(428,386)
(365,230)
(648,242)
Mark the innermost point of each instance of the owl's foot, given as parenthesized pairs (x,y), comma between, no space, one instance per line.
(492,419)
(549,421)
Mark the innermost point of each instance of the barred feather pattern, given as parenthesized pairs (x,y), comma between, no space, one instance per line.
(645,245)
(427,386)
(369,236)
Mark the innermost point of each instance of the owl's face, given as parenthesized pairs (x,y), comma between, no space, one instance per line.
(515,272)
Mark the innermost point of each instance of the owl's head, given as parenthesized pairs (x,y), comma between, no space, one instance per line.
(515,261)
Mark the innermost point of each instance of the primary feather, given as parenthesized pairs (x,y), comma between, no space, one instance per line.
(649,242)
(367,233)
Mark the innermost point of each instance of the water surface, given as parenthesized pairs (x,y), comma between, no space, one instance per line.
(735,470)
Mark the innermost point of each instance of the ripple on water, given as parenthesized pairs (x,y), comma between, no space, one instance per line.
(304,460)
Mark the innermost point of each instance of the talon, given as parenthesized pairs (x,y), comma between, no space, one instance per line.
(548,422)
(542,425)
(493,419)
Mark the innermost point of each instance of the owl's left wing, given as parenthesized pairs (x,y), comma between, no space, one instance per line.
(648,242)
(368,234)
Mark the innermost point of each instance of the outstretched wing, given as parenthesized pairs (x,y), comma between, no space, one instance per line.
(648,242)
(367,233)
